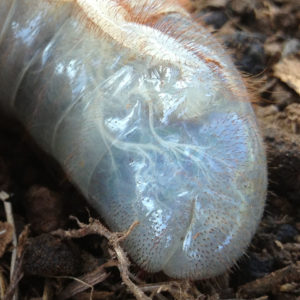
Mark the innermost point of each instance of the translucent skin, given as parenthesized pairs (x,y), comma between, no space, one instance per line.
(145,138)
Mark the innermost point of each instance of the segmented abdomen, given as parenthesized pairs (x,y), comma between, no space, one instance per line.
(169,141)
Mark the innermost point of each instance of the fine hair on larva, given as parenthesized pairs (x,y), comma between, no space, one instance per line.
(149,118)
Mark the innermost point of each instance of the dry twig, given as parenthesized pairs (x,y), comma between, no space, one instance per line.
(84,282)
(114,239)
(271,282)
(2,284)
(18,273)
(181,289)
(10,220)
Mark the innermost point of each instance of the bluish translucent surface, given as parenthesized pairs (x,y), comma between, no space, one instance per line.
(144,141)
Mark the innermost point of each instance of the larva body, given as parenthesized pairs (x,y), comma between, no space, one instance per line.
(151,123)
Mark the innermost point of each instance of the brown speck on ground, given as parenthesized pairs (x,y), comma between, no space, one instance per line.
(263,37)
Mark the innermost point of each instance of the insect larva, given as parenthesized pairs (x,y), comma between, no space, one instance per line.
(150,119)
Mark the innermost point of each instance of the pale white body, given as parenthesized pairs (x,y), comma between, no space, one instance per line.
(151,123)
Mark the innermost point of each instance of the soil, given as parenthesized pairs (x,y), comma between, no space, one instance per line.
(264,39)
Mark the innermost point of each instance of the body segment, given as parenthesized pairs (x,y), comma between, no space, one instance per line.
(163,134)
